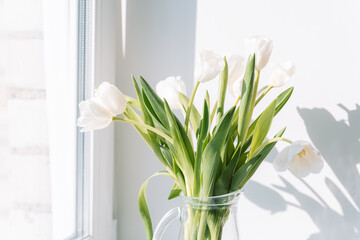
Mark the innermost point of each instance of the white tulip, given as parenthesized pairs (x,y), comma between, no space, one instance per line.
(301,158)
(169,89)
(111,98)
(261,47)
(281,73)
(93,116)
(208,66)
(236,70)
(97,113)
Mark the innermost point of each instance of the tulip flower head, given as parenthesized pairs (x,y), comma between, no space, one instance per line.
(261,47)
(301,158)
(281,74)
(93,116)
(236,68)
(97,112)
(169,89)
(208,66)
(111,98)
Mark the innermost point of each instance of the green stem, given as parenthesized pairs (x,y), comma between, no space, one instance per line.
(140,124)
(267,142)
(237,100)
(261,90)
(252,103)
(263,94)
(202,225)
(213,112)
(188,110)
(256,83)
(133,102)
(191,224)
(222,91)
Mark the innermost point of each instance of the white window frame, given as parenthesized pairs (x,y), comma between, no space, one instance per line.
(85,78)
(60,53)
(93,41)
(101,57)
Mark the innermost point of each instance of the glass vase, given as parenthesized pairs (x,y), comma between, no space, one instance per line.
(209,218)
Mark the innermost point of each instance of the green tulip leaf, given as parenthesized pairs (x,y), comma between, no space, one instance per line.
(281,100)
(247,170)
(241,174)
(182,147)
(211,156)
(143,207)
(222,185)
(147,118)
(247,92)
(262,127)
(222,90)
(175,191)
(154,102)
(153,141)
(204,129)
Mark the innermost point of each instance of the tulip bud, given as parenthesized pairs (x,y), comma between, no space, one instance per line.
(261,47)
(281,73)
(208,66)
(236,65)
(169,89)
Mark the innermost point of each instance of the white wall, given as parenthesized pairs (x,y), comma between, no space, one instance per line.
(321,38)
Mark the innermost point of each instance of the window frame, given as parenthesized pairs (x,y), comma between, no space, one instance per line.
(84,141)
(97,45)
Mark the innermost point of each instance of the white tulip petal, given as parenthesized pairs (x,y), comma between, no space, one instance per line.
(236,70)
(301,158)
(280,74)
(236,67)
(111,98)
(280,162)
(93,116)
(278,77)
(94,124)
(169,89)
(90,108)
(236,88)
(317,166)
(208,66)
(296,147)
(289,66)
(317,160)
(260,46)
(299,167)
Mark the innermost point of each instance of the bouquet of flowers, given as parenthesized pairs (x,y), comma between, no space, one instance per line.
(214,151)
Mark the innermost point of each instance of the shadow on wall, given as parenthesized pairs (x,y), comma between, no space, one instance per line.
(338,141)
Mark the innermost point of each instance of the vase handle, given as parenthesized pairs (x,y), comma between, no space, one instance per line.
(173,214)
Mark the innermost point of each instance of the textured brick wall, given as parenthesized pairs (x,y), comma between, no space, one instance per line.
(25,204)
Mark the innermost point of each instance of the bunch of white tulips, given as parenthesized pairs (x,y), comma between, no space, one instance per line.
(221,159)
